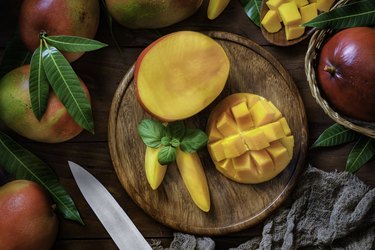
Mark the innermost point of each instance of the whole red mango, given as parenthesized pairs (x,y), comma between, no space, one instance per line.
(346,72)
(56,124)
(58,17)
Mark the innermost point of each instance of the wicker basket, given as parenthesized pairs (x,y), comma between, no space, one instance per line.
(317,40)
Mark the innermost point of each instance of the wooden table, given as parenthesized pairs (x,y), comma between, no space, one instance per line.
(102,71)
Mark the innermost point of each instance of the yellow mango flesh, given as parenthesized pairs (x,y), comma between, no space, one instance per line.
(180,74)
(192,173)
(293,31)
(308,12)
(155,172)
(216,7)
(324,5)
(289,13)
(258,153)
(271,21)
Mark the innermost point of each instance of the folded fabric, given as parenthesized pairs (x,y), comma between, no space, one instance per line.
(332,210)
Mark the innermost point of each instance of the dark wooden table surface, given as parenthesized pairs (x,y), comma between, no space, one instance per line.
(102,71)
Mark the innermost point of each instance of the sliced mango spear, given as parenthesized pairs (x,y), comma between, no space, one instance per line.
(215,7)
(154,171)
(192,173)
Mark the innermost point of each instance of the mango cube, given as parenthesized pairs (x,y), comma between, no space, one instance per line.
(274,4)
(271,21)
(289,13)
(255,139)
(301,3)
(262,160)
(214,135)
(262,113)
(288,143)
(226,167)
(273,131)
(308,12)
(216,150)
(279,154)
(233,146)
(226,125)
(324,5)
(242,116)
(285,126)
(294,31)
(278,114)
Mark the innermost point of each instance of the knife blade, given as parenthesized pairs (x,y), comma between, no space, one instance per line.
(114,219)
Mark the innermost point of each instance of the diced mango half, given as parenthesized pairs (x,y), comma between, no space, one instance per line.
(271,21)
(294,31)
(308,12)
(262,145)
(324,5)
(289,13)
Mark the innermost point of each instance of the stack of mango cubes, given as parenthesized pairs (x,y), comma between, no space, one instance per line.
(292,13)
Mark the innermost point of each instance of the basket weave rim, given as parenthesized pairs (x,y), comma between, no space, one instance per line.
(316,41)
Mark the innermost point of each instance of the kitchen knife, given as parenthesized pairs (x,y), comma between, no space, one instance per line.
(111,215)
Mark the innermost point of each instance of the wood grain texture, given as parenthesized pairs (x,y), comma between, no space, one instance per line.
(233,206)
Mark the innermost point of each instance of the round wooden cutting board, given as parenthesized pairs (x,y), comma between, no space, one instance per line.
(234,206)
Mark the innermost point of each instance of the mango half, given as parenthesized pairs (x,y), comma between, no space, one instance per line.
(249,139)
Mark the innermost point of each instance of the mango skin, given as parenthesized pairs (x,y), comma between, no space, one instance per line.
(28,221)
(149,14)
(15,111)
(192,173)
(58,17)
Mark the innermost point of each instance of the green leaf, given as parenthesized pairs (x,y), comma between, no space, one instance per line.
(151,132)
(74,43)
(252,9)
(165,141)
(167,155)
(67,87)
(176,129)
(360,13)
(38,84)
(361,153)
(22,164)
(335,135)
(15,55)
(194,140)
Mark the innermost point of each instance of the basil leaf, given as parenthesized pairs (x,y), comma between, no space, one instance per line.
(193,140)
(67,87)
(360,13)
(165,141)
(252,9)
(175,142)
(167,155)
(361,153)
(335,135)
(38,84)
(22,164)
(151,132)
(74,43)
(176,129)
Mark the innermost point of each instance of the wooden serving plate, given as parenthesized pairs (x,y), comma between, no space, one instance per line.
(234,206)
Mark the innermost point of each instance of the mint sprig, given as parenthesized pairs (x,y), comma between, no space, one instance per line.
(170,137)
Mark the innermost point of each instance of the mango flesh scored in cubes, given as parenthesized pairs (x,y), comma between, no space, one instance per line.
(324,5)
(226,125)
(293,31)
(289,13)
(271,21)
(308,12)
(256,154)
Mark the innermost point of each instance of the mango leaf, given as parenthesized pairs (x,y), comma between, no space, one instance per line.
(361,153)
(15,55)
(335,135)
(252,9)
(360,13)
(67,87)
(38,84)
(22,164)
(74,43)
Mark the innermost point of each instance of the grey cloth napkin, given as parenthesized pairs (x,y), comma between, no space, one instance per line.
(332,210)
